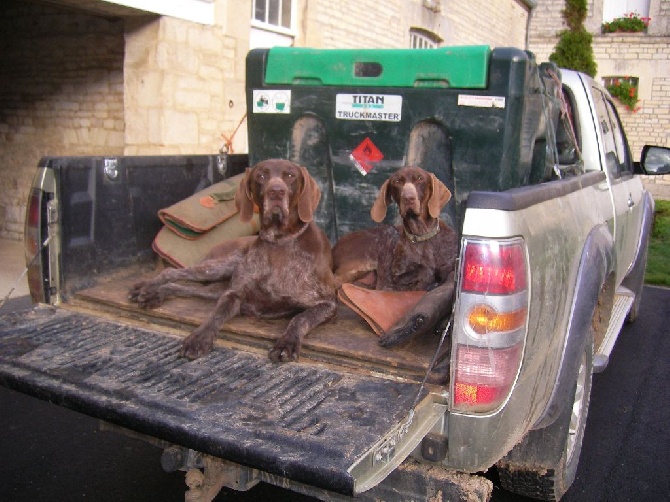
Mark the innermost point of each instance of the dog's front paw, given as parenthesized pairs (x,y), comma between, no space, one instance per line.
(145,295)
(135,291)
(197,344)
(286,350)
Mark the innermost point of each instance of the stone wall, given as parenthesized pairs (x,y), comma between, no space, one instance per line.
(352,24)
(61,93)
(643,55)
(183,88)
(73,83)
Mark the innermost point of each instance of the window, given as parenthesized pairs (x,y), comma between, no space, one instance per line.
(613,9)
(617,155)
(276,13)
(423,39)
(608,81)
(271,23)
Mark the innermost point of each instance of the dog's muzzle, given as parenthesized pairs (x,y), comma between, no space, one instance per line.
(276,202)
(409,200)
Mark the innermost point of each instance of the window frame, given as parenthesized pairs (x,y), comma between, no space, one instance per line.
(433,40)
(269,26)
(613,9)
(613,136)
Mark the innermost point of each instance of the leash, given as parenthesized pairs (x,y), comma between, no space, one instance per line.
(405,425)
(227,146)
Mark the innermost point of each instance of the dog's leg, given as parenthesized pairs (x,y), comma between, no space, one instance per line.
(152,293)
(287,347)
(201,341)
(434,306)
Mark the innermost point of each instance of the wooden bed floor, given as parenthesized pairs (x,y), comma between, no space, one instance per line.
(346,340)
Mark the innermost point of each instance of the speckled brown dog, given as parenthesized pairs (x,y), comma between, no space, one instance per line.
(418,254)
(285,271)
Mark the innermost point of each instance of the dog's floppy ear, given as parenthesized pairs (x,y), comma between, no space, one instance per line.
(243,201)
(309,197)
(378,210)
(439,197)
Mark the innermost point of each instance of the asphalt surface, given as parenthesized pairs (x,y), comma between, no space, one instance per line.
(50,453)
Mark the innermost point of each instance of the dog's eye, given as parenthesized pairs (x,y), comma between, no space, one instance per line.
(419,178)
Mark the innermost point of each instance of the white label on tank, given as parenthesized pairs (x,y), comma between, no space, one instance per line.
(481,101)
(272,101)
(379,107)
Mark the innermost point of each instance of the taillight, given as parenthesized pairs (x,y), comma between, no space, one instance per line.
(33,246)
(493,269)
(490,323)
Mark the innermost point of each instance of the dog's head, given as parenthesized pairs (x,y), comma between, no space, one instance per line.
(283,191)
(418,194)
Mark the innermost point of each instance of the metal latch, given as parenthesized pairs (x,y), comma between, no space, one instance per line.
(52,212)
(111,169)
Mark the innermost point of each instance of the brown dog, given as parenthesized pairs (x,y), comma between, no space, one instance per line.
(417,255)
(285,271)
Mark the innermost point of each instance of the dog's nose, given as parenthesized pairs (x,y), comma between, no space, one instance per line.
(276,191)
(409,193)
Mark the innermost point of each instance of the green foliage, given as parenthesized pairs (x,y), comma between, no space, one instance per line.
(658,260)
(625,92)
(574,13)
(574,51)
(630,23)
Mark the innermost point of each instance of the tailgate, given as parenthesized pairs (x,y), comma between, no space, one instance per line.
(307,422)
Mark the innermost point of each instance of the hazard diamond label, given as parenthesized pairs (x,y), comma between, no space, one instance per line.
(365,155)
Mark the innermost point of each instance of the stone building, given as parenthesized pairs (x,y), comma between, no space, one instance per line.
(166,77)
(644,56)
(138,77)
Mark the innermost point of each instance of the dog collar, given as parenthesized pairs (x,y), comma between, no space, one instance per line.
(263,235)
(424,237)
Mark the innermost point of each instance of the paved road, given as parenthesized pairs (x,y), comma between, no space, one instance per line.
(50,453)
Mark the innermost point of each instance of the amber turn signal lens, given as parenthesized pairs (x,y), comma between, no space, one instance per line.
(483,319)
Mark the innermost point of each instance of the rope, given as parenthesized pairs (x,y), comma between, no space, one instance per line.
(228,140)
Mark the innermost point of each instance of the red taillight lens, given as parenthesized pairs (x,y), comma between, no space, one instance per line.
(484,376)
(494,268)
(32,246)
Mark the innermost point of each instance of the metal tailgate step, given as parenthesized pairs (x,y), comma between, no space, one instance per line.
(302,421)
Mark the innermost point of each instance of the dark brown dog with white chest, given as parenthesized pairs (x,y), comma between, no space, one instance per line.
(285,271)
(418,254)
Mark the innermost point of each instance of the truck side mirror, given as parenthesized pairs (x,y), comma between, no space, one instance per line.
(655,160)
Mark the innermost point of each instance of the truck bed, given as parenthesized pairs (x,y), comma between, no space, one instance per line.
(312,421)
(346,340)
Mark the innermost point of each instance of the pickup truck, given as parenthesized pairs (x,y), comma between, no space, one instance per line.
(553,225)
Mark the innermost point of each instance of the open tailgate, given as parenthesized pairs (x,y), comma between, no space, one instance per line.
(313,424)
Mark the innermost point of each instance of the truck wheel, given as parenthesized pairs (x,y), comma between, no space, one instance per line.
(544,464)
